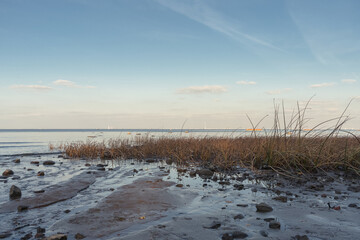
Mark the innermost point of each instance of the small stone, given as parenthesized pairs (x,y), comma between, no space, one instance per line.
(39,235)
(238,187)
(15,192)
(205,173)
(22,208)
(87,164)
(179,185)
(354,188)
(40,230)
(242,205)
(352,205)
(192,173)
(281,199)
(67,211)
(79,236)
(41,173)
(27,236)
(8,172)
(303,237)
(56,237)
(39,191)
(5,235)
(239,216)
(35,162)
(337,192)
(111,189)
(264,233)
(239,235)
(227,236)
(181,170)
(48,162)
(274,224)
(15,177)
(263,207)
(135,171)
(60,156)
(169,161)
(269,219)
(323,195)
(16,160)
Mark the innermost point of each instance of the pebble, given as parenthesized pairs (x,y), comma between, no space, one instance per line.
(179,185)
(352,205)
(15,192)
(239,216)
(27,236)
(303,237)
(263,207)
(79,236)
(56,237)
(239,186)
(39,191)
(242,205)
(274,224)
(8,172)
(205,173)
(264,233)
(16,160)
(35,162)
(41,173)
(5,234)
(48,162)
(67,211)
(281,199)
(22,208)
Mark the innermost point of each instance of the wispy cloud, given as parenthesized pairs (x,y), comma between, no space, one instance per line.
(278,91)
(202,89)
(207,16)
(246,82)
(32,87)
(70,84)
(348,80)
(321,85)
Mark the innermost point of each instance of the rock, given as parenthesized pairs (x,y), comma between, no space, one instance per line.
(224,183)
(67,211)
(264,233)
(337,191)
(323,195)
(179,185)
(354,188)
(60,156)
(41,173)
(8,172)
(15,177)
(269,219)
(35,162)
(48,162)
(27,236)
(205,173)
(227,236)
(39,235)
(135,171)
(79,236)
(16,160)
(39,191)
(281,199)
(239,216)
(239,186)
(15,192)
(101,169)
(169,161)
(254,189)
(22,208)
(214,225)
(242,205)
(5,235)
(352,205)
(181,170)
(274,224)
(263,207)
(87,164)
(150,160)
(192,173)
(239,235)
(303,237)
(56,237)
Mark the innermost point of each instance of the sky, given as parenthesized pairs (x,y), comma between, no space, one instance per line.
(169,63)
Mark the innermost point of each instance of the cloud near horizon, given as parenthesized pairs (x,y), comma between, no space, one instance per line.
(321,85)
(202,89)
(278,91)
(70,84)
(246,82)
(32,87)
(348,80)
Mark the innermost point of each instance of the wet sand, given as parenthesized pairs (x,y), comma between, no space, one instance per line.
(153,200)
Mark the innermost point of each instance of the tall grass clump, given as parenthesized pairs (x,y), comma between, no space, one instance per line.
(286,147)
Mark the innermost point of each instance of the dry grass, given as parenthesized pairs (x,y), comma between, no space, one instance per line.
(286,147)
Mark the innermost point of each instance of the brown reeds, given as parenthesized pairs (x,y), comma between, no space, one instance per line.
(285,147)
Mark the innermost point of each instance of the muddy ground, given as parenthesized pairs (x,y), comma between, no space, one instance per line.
(87,199)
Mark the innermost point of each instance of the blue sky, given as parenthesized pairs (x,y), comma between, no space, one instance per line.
(158,63)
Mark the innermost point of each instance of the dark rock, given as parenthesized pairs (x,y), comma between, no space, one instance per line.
(27,236)
(227,236)
(254,189)
(15,177)
(39,191)
(239,216)
(101,169)
(8,172)
(179,185)
(67,211)
(303,237)
(41,173)
(263,207)
(60,156)
(87,164)
(181,170)
(48,162)
(337,191)
(100,165)
(323,195)
(239,186)
(242,205)
(5,235)
(22,208)
(111,189)
(79,236)
(40,230)
(239,235)
(56,237)
(205,173)
(274,224)
(192,173)
(281,199)
(215,225)
(354,188)
(224,183)
(16,160)
(269,219)
(39,235)
(316,187)
(352,205)
(150,160)
(135,171)
(35,162)
(15,192)
(169,161)
(264,233)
